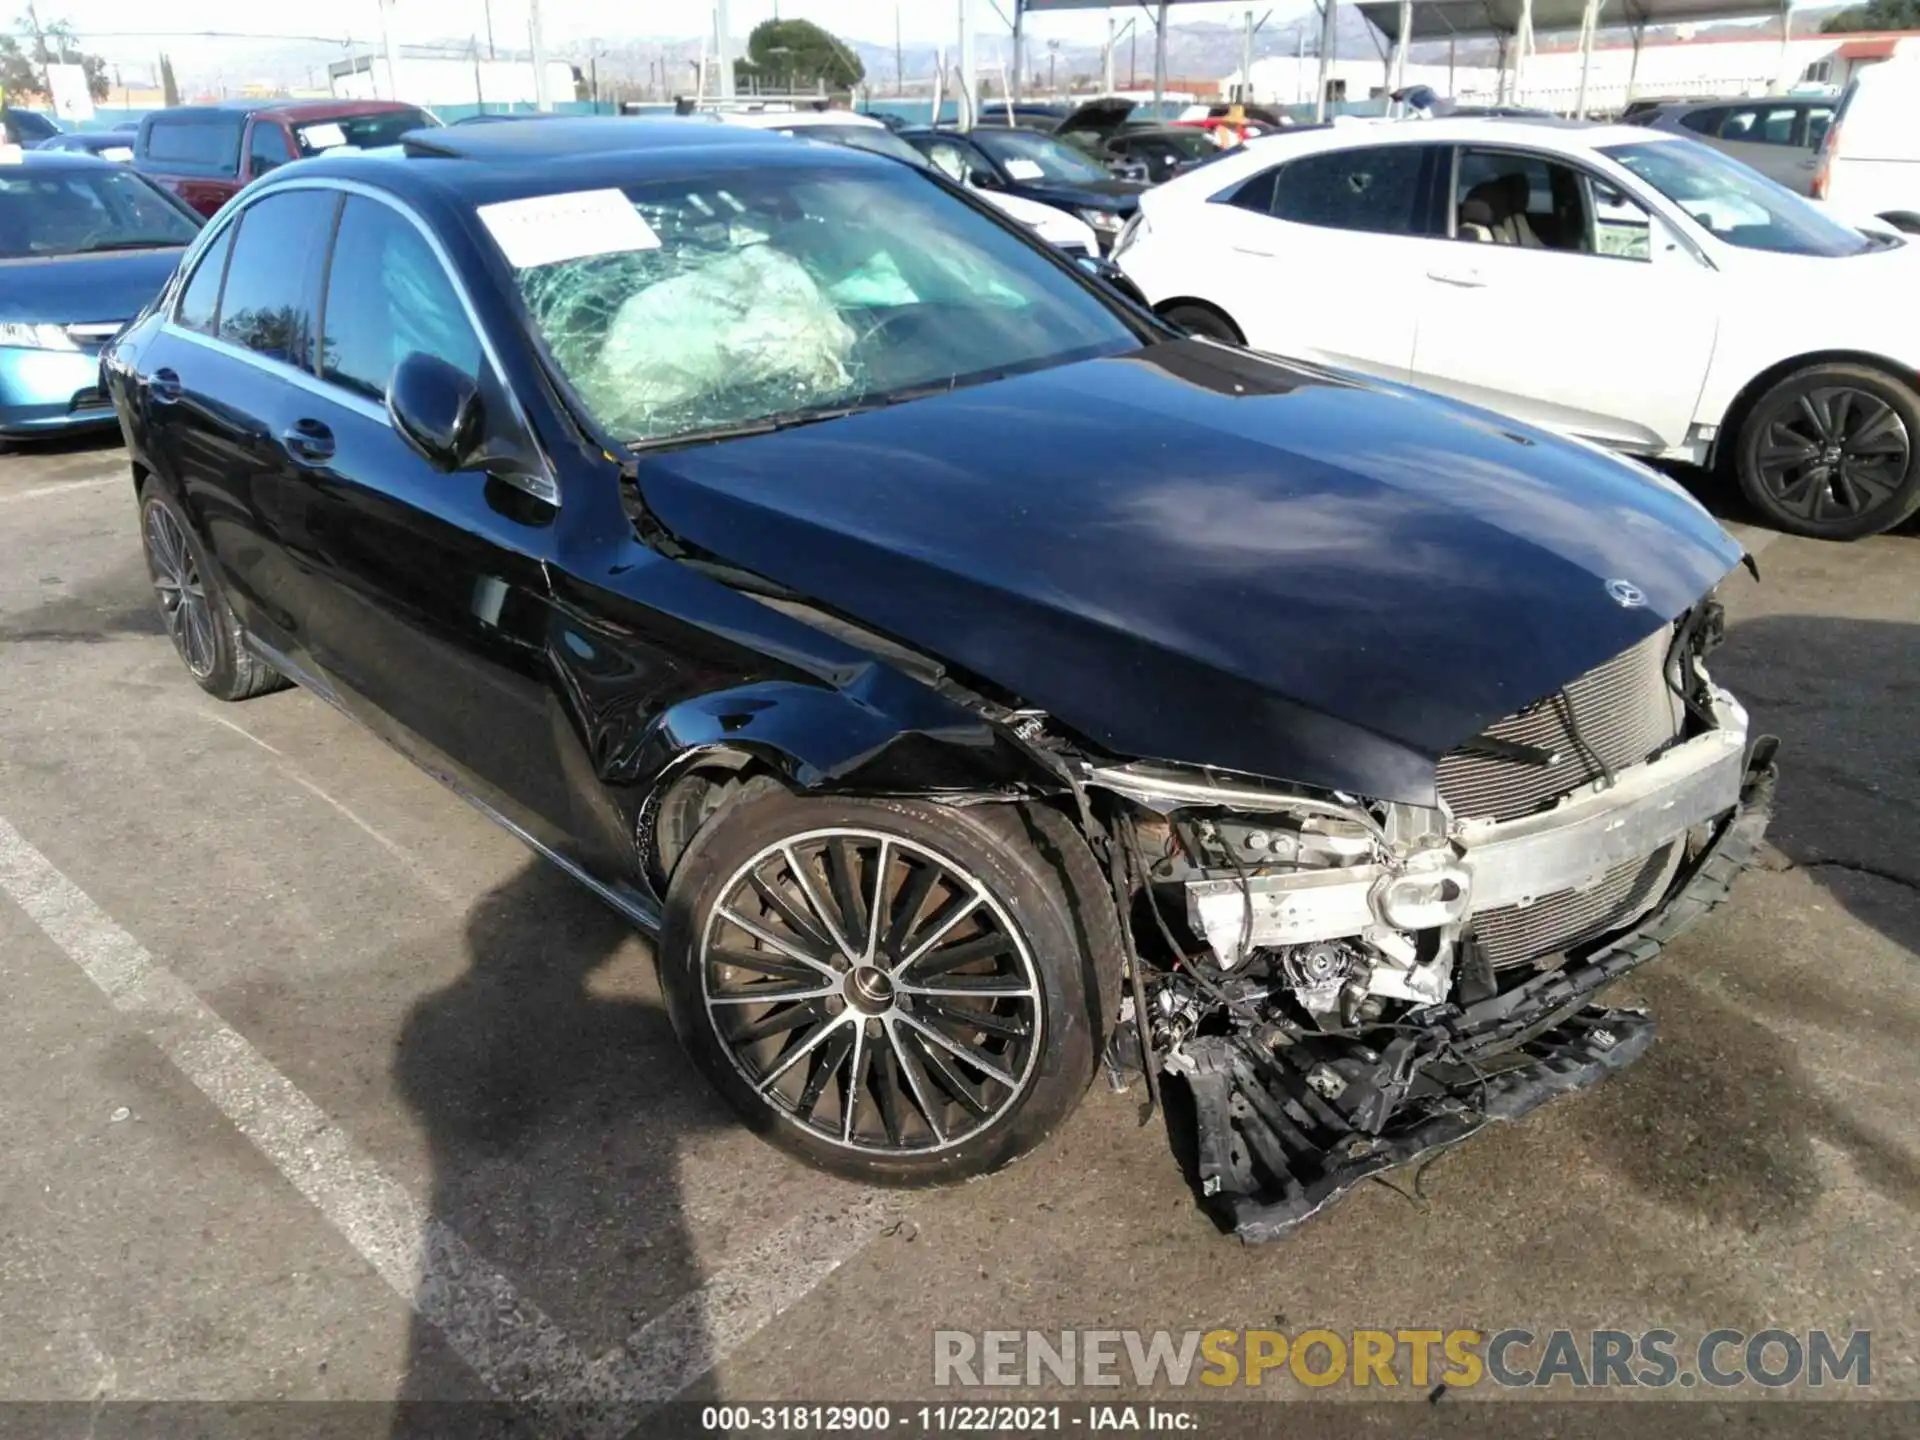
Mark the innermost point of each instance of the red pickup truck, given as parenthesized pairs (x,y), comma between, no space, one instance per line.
(206,153)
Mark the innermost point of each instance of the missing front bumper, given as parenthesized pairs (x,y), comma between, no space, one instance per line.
(1283,1132)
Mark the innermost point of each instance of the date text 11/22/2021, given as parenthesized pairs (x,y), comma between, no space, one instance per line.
(942,1419)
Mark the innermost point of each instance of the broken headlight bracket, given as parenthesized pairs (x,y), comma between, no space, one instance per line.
(1285,1129)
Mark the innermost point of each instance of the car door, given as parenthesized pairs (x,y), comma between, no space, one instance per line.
(224,374)
(430,607)
(1323,256)
(1577,308)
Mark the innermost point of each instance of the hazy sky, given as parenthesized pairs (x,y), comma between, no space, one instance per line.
(566,20)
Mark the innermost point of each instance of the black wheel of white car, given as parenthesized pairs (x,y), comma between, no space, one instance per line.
(1833,452)
(1205,321)
(895,991)
(207,637)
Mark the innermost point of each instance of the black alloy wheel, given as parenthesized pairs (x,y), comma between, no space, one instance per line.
(1830,452)
(209,639)
(896,991)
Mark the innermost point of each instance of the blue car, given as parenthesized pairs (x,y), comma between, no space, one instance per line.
(84,245)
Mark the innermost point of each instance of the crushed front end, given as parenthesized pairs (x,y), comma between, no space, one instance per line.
(1344,986)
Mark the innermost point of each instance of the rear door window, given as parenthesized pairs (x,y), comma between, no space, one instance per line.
(1704,122)
(195,144)
(267,147)
(200,301)
(273,279)
(1375,188)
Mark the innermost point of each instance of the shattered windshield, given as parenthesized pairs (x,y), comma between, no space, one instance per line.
(741,302)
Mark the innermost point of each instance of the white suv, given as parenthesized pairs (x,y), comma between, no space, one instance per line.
(1636,289)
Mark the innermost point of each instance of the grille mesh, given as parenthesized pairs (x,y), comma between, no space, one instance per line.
(1625,712)
(1515,934)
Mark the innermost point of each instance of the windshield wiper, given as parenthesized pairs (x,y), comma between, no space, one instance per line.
(793,419)
(138,243)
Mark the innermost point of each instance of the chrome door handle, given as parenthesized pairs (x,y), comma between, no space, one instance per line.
(1465,279)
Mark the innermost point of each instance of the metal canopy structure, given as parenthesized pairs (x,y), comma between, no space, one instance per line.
(1514,23)
(1158,11)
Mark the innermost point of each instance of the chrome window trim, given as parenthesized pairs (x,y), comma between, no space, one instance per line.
(543,486)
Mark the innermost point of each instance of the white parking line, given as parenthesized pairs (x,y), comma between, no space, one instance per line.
(35,492)
(514,1348)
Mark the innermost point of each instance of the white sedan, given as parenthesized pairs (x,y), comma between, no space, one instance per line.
(1635,289)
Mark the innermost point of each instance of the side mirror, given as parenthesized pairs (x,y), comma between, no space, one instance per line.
(983,179)
(436,408)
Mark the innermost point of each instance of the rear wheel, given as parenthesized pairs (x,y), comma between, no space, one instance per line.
(898,992)
(1833,452)
(1204,321)
(206,635)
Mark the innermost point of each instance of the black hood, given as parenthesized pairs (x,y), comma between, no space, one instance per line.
(1198,555)
(1120,196)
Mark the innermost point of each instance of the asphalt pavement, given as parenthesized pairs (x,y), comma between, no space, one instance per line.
(318,1086)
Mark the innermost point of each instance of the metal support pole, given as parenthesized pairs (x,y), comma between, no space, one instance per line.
(537,44)
(1782,82)
(1401,42)
(1159,56)
(1639,33)
(1019,50)
(967,96)
(1113,40)
(1522,48)
(393,54)
(722,50)
(1329,21)
(1245,96)
(1589,22)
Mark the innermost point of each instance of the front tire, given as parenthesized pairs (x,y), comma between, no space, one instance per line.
(1832,452)
(942,1042)
(206,634)
(1204,321)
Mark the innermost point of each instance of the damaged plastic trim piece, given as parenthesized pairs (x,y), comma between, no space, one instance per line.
(1285,1131)
(1510,863)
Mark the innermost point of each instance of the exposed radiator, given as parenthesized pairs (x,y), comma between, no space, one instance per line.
(1515,934)
(1623,709)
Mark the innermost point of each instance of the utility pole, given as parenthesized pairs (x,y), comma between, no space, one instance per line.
(489,9)
(1133,59)
(1246,63)
(1299,61)
(1106,79)
(899,57)
(723,48)
(1329,40)
(1522,49)
(537,46)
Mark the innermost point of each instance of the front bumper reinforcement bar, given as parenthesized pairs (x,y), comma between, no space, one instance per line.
(1285,1129)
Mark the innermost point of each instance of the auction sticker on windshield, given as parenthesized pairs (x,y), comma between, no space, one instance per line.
(548,229)
(327,136)
(1024,169)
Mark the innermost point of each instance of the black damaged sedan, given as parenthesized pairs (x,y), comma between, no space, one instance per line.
(969,679)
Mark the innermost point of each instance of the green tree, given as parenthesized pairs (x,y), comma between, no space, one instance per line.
(1877,15)
(169,87)
(25,56)
(797,54)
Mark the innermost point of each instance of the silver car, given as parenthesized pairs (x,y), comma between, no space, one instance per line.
(1777,135)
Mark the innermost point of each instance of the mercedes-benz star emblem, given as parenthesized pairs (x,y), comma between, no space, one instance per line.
(1626,594)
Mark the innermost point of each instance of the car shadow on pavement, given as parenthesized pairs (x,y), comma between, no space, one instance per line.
(557,1105)
(1720,1117)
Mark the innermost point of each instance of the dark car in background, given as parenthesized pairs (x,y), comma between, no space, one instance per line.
(1777,135)
(205,154)
(106,144)
(27,127)
(1034,167)
(830,575)
(85,245)
(1109,130)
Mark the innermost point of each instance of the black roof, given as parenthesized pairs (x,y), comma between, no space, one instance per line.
(480,164)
